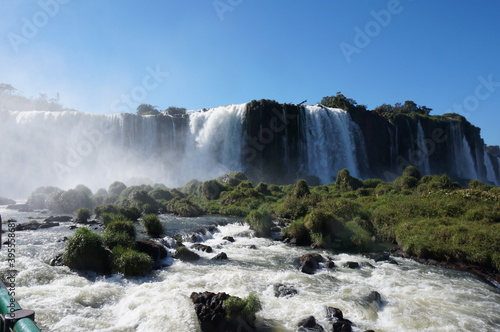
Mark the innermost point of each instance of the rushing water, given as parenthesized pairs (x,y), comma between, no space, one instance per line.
(415,297)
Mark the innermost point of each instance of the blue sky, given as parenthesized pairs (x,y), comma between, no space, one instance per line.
(205,53)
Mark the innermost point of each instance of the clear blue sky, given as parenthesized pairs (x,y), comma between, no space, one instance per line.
(232,51)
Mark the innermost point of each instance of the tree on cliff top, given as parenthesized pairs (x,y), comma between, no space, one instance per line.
(342,102)
(146,109)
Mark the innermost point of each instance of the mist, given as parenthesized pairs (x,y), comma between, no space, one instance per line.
(45,144)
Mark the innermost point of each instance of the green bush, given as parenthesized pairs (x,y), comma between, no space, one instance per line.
(345,182)
(152,224)
(412,171)
(245,308)
(184,207)
(118,226)
(82,215)
(211,189)
(261,222)
(298,231)
(116,188)
(113,239)
(130,262)
(85,251)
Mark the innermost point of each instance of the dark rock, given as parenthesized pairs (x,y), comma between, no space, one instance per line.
(64,239)
(209,308)
(309,263)
(59,218)
(374,298)
(155,250)
(366,264)
(342,325)
(378,256)
(310,324)
(228,238)
(186,255)
(351,265)
(7,201)
(275,229)
(72,227)
(392,261)
(253,246)
(281,290)
(334,313)
(201,247)
(316,246)
(329,264)
(196,238)
(57,261)
(48,224)
(29,226)
(220,256)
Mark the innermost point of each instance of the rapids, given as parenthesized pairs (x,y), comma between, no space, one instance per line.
(415,297)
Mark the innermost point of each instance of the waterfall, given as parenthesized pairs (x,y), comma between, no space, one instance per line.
(423,163)
(330,142)
(462,156)
(490,171)
(67,148)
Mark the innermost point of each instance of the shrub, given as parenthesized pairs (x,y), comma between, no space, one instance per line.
(68,201)
(371,183)
(298,231)
(125,226)
(406,182)
(345,182)
(130,262)
(184,207)
(85,251)
(412,171)
(261,222)
(82,215)
(300,189)
(263,189)
(113,239)
(161,194)
(245,308)
(152,224)
(37,199)
(211,189)
(359,237)
(116,188)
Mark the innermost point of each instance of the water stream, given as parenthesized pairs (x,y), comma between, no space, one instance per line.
(415,297)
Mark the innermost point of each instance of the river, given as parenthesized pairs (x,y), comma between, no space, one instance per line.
(415,297)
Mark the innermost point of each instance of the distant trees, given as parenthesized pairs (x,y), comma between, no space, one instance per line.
(350,105)
(342,102)
(146,109)
(408,107)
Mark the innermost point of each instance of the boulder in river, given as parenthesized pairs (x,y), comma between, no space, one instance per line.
(59,218)
(213,317)
(228,238)
(201,247)
(310,324)
(155,250)
(351,265)
(220,256)
(309,263)
(184,254)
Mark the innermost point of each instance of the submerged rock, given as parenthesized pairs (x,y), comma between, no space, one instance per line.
(202,247)
(334,313)
(351,265)
(184,254)
(59,218)
(310,324)
(228,238)
(220,256)
(281,290)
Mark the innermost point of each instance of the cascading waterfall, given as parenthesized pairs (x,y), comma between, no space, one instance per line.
(490,171)
(330,142)
(464,162)
(422,151)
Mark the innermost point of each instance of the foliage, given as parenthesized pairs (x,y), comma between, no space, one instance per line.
(152,224)
(175,111)
(146,109)
(112,239)
(68,201)
(184,207)
(298,231)
(261,222)
(130,262)
(245,308)
(83,215)
(124,226)
(85,251)
(346,182)
(37,199)
(116,188)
